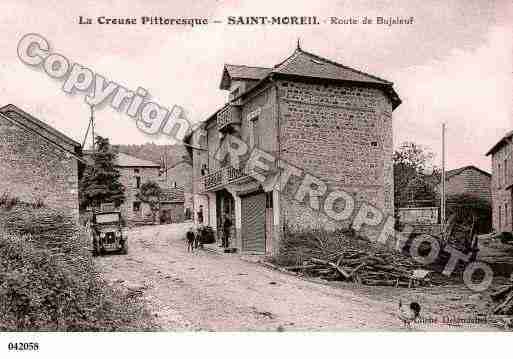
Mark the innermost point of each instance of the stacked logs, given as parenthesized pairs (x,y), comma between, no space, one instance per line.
(503,297)
(359,266)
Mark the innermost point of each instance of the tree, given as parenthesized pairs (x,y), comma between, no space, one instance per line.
(411,164)
(150,193)
(100,182)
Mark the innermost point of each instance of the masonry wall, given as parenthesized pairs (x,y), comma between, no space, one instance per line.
(172,212)
(502,196)
(470,182)
(33,169)
(128,179)
(342,135)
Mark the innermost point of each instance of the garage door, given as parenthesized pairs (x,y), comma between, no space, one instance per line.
(253,223)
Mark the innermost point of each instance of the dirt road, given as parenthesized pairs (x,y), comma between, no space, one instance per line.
(208,291)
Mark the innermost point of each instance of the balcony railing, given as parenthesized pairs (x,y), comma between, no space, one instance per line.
(230,115)
(219,178)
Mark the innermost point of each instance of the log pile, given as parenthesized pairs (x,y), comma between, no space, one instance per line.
(503,297)
(383,269)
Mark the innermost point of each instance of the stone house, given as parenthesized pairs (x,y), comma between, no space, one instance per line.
(37,162)
(502,183)
(172,205)
(330,120)
(133,173)
(179,175)
(468,180)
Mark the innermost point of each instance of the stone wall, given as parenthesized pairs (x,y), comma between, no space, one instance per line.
(342,135)
(502,196)
(128,179)
(471,182)
(33,169)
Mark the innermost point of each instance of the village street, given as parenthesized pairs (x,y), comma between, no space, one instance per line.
(208,291)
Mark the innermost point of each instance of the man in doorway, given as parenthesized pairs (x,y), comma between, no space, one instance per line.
(227,225)
(200,215)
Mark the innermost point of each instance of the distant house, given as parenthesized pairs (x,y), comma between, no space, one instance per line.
(133,173)
(502,183)
(172,205)
(179,175)
(469,180)
(37,162)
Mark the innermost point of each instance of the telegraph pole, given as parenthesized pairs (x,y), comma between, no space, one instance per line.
(443,203)
(92,124)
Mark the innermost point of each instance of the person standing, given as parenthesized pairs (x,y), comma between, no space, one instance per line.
(227,225)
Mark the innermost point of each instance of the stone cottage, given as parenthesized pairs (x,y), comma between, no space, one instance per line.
(179,176)
(502,183)
(37,162)
(469,180)
(172,205)
(328,119)
(133,173)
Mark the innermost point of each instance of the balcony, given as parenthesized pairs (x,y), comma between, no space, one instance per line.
(228,117)
(220,178)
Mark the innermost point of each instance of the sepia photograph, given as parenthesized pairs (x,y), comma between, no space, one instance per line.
(227,178)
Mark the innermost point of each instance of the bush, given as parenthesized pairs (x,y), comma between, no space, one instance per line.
(51,284)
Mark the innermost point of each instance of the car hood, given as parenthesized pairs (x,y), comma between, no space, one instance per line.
(107,228)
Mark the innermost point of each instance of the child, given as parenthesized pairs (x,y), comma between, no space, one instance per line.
(190,238)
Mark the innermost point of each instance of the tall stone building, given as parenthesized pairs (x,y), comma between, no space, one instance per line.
(502,183)
(37,162)
(330,120)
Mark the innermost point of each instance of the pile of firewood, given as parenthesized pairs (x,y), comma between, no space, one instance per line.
(359,266)
(504,299)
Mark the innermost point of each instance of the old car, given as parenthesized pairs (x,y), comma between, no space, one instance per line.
(108,233)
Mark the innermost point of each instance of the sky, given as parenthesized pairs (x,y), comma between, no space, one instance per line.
(453,64)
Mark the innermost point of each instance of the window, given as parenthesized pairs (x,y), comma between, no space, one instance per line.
(136,170)
(499,180)
(500,218)
(136,206)
(254,139)
(269,200)
(505,171)
(138,181)
(234,93)
(204,170)
(374,144)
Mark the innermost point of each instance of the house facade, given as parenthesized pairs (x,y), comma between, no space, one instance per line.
(179,175)
(329,120)
(502,183)
(172,206)
(133,173)
(469,180)
(37,162)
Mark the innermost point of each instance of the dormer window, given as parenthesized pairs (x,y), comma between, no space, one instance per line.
(235,93)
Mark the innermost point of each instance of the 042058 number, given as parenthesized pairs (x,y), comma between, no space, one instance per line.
(23,346)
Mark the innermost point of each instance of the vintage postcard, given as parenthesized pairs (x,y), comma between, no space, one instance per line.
(297,167)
